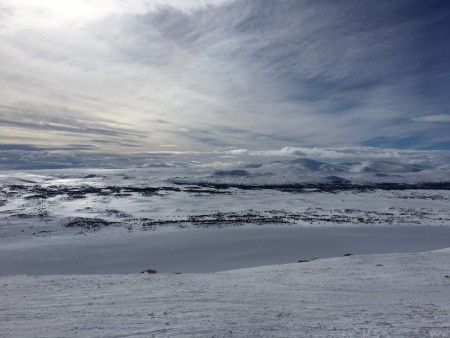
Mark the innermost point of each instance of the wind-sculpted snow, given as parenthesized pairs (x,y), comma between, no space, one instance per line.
(395,296)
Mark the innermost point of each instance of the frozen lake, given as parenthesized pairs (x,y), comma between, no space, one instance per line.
(209,250)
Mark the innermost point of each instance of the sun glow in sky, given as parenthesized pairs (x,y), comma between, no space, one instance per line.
(132,76)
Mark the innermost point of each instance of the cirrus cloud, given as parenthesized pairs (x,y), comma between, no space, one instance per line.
(208,74)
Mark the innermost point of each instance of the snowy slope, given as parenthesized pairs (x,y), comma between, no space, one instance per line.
(396,295)
(90,225)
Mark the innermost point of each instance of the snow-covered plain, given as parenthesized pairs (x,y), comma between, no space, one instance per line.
(67,238)
(298,192)
(395,295)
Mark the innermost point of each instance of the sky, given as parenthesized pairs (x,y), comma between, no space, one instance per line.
(180,76)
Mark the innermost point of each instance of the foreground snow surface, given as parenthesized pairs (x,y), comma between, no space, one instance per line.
(391,295)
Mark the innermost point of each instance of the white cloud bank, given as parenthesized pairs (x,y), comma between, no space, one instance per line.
(16,156)
(431,157)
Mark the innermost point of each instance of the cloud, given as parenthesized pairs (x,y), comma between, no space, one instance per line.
(33,148)
(432,158)
(210,74)
(334,153)
(23,156)
(63,126)
(433,118)
(236,152)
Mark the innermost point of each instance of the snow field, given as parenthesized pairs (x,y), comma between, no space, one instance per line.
(391,295)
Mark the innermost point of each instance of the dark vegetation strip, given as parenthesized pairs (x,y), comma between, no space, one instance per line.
(328,187)
(39,192)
